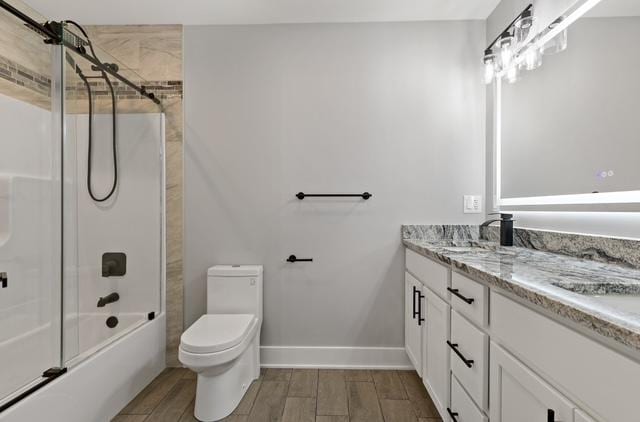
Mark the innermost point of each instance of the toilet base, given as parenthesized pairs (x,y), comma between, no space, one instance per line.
(221,388)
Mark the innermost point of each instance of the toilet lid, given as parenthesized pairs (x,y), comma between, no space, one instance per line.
(214,333)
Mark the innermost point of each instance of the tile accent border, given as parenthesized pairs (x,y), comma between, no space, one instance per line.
(21,76)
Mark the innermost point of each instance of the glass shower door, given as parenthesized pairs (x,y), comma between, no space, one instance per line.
(30,207)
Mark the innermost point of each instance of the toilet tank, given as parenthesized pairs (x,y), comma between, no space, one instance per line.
(235,289)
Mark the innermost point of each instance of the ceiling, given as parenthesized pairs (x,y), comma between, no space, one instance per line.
(207,12)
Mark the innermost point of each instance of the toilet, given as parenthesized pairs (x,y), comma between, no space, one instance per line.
(223,346)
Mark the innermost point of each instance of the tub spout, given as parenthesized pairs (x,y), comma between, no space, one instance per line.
(103,301)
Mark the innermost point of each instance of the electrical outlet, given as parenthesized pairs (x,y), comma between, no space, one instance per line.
(472,204)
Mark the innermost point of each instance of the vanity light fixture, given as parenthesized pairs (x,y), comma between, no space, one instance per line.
(520,47)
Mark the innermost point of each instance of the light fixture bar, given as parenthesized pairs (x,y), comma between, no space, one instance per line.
(508,28)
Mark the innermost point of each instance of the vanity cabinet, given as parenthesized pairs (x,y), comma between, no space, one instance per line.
(487,357)
(518,394)
(413,315)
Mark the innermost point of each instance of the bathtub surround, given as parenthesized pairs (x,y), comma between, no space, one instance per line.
(155,53)
(328,108)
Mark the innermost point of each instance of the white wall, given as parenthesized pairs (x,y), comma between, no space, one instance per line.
(394,109)
(618,224)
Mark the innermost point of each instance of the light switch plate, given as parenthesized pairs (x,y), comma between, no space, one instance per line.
(472,204)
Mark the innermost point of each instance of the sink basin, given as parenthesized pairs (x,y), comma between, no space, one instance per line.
(625,303)
(622,297)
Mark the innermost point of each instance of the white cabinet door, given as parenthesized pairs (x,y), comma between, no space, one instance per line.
(435,358)
(413,315)
(518,394)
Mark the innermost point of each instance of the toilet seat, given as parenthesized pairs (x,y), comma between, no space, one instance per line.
(216,333)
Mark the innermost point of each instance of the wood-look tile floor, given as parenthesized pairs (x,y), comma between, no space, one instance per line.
(295,395)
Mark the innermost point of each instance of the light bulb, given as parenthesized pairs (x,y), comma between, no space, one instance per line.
(532,58)
(489,72)
(523,26)
(506,49)
(489,66)
(513,74)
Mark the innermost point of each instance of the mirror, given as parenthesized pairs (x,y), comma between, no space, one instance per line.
(569,131)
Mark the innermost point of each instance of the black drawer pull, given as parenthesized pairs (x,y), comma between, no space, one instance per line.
(551,415)
(4,280)
(454,347)
(456,292)
(453,415)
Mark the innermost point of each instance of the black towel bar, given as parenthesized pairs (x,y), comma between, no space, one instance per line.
(302,195)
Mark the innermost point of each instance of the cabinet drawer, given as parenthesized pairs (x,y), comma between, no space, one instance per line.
(470,298)
(469,358)
(433,275)
(462,407)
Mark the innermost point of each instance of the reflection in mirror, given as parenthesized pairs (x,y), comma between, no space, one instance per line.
(572,125)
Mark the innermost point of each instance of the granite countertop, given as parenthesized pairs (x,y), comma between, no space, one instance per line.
(600,296)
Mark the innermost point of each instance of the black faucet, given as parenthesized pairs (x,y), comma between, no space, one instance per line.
(104,301)
(506,228)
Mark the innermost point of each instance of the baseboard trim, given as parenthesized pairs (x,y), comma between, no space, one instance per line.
(334,357)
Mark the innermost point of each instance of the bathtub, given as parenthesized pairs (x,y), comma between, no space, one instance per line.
(112,366)
(86,334)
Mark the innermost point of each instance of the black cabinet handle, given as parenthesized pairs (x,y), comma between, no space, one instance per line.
(293,258)
(453,415)
(551,415)
(420,297)
(456,292)
(415,313)
(454,347)
(4,280)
